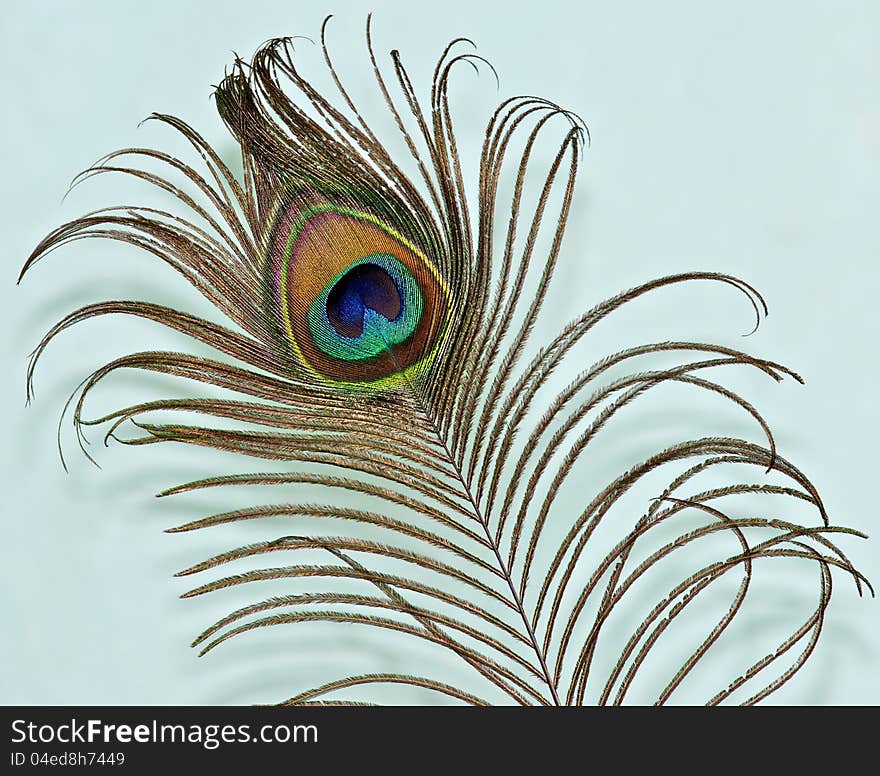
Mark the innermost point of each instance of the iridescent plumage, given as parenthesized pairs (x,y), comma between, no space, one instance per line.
(383,344)
(361,305)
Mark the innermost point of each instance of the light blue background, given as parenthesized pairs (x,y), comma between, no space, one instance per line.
(734,136)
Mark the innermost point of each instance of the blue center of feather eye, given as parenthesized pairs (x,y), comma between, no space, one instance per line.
(365,286)
(373,304)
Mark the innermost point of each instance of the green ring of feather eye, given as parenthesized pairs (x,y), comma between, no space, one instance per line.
(379,333)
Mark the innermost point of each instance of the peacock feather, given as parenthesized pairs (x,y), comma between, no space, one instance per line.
(381,343)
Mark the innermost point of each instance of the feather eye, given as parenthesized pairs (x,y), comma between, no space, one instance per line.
(383,342)
(361,305)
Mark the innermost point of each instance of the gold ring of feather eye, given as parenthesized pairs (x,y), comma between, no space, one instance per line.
(323,242)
